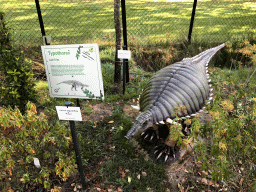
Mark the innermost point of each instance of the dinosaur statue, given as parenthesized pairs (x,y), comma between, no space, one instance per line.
(186,84)
(74,84)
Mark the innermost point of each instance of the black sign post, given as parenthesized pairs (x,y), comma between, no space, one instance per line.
(125,47)
(40,18)
(77,151)
(192,21)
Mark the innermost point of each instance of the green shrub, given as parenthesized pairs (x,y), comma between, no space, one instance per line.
(24,138)
(232,131)
(16,82)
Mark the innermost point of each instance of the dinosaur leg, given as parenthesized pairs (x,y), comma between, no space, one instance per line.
(74,86)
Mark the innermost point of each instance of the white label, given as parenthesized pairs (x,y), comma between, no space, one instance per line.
(124,54)
(73,71)
(69,113)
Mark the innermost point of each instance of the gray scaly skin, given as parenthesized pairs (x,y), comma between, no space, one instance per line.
(185,83)
(74,84)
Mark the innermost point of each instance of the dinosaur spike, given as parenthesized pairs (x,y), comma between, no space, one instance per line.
(211,94)
(166,157)
(192,115)
(210,85)
(159,155)
(187,116)
(173,153)
(209,80)
(183,118)
(151,137)
(146,136)
(161,122)
(200,111)
(211,89)
(210,98)
(143,133)
(169,121)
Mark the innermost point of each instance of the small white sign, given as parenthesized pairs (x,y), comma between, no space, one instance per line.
(124,54)
(69,113)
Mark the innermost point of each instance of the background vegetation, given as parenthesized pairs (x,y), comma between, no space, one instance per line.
(226,162)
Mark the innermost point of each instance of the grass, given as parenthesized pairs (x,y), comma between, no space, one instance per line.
(70,22)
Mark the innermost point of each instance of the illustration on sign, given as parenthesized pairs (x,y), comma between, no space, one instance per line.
(73,71)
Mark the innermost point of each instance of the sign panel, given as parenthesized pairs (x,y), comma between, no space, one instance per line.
(124,54)
(73,71)
(69,113)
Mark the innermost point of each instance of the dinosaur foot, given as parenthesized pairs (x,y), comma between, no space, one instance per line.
(165,153)
(162,149)
(150,134)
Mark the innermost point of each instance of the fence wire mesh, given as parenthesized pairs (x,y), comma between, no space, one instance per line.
(88,21)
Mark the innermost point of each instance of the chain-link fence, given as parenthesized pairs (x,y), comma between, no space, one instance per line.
(89,21)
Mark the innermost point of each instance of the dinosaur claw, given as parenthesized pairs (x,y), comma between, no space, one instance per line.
(159,155)
(146,136)
(166,157)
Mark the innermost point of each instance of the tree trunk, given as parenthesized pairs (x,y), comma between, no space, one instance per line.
(117,75)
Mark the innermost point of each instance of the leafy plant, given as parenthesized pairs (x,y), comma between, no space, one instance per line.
(231,134)
(29,137)
(16,84)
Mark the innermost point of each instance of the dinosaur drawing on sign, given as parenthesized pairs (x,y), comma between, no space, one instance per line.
(74,84)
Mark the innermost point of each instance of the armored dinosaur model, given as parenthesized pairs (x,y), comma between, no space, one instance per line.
(186,84)
(74,84)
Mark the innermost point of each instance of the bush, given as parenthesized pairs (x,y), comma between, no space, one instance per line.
(16,82)
(24,138)
(231,150)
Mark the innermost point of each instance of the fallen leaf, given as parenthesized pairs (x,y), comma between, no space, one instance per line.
(144,173)
(181,188)
(123,174)
(138,176)
(129,179)
(205,181)
(111,121)
(127,170)
(241,181)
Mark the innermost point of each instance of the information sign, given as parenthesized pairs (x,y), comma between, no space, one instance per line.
(73,71)
(69,113)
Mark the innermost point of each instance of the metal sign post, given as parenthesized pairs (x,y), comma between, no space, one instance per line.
(46,39)
(125,47)
(192,21)
(77,151)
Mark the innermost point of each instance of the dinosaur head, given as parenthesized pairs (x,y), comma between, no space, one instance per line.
(142,123)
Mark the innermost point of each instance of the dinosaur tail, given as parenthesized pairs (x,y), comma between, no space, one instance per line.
(204,57)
